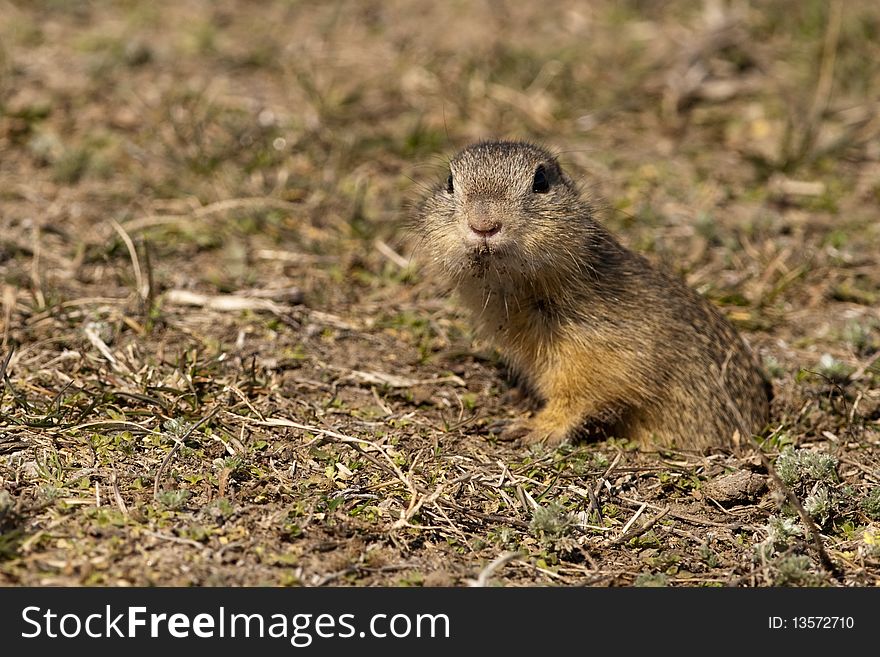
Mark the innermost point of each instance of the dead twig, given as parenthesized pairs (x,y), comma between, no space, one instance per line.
(632,520)
(627,536)
(223,303)
(495,564)
(392,255)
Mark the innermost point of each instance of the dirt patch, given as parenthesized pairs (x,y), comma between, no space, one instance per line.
(220,366)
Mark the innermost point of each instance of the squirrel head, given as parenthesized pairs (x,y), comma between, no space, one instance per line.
(506,209)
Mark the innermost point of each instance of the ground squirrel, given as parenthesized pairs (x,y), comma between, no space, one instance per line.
(611,345)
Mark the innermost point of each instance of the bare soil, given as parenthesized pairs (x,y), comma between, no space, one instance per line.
(221,366)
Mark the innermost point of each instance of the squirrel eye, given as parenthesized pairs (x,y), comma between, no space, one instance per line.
(449,187)
(540,185)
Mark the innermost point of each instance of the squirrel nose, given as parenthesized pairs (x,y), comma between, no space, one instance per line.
(489,231)
(484,226)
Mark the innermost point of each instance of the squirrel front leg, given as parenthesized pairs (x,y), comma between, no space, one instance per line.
(560,421)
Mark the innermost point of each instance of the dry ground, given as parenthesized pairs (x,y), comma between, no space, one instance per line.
(219,365)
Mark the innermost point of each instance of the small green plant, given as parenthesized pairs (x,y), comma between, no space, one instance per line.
(778,440)
(773,367)
(195,532)
(861,337)
(220,510)
(819,504)
(871,504)
(835,370)
(651,580)
(234,464)
(71,166)
(674,481)
(6,505)
(177,427)
(551,522)
(780,531)
(174,499)
(794,570)
(709,556)
(799,468)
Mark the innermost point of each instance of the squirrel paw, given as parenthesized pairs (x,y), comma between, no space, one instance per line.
(528,433)
(549,438)
(514,430)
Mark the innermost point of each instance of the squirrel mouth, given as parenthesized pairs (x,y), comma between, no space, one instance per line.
(480,256)
(481,250)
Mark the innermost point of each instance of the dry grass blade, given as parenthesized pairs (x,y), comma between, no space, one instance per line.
(117,496)
(222,303)
(632,519)
(140,284)
(9,299)
(627,534)
(5,364)
(91,332)
(487,572)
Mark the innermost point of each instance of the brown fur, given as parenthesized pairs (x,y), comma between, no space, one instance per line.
(612,345)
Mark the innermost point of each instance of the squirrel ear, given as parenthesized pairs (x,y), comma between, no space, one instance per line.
(541,184)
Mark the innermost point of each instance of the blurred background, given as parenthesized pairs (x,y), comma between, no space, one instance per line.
(688,115)
(158,156)
(700,122)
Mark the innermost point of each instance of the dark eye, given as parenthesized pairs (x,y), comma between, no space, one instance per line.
(449,187)
(540,185)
